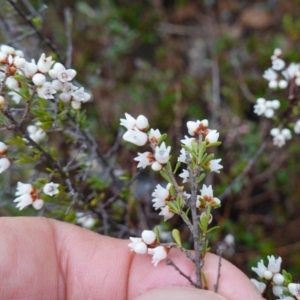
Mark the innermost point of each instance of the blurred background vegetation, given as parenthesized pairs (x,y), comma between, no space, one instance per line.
(173,61)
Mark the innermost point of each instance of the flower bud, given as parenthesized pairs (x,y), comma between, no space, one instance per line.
(2,100)
(268,274)
(12,83)
(142,122)
(3,147)
(278,279)
(76,104)
(8,50)
(38,79)
(148,237)
(38,204)
(156,166)
(4,164)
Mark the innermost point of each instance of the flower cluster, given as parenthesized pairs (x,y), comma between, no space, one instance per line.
(173,199)
(138,133)
(27,194)
(281,284)
(85,220)
(282,77)
(59,77)
(4,160)
(148,244)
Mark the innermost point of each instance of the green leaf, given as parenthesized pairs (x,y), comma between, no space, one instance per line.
(176,237)
(157,233)
(26,159)
(201,177)
(97,184)
(201,151)
(16,141)
(176,167)
(162,138)
(165,175)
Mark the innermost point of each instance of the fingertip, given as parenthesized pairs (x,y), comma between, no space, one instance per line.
(179,293)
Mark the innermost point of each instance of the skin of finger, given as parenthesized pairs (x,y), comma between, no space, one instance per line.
(233,285)
(179,293)
(47,259)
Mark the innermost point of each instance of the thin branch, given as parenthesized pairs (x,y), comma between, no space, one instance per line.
(68,25)
(171,263)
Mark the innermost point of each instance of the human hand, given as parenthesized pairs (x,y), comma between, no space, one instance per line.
(47,259)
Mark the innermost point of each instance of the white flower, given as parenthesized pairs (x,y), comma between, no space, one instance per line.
(4,164)
(229,239)
(185,175)
(59,72)
(24,188)
(161,195)
(51,189)
(149,237)
(280,136)
(145,159)
(44,64)
(198,127)
(23,201)
(297,127)
(165,211)
(30,68)
(38,204)
(162,153)
(130,123)
(212,136)
(85,220)
(278,290)
(159,253)
(264,107)
(182,156)
(2,100)
(46,91)
(19,62)
(261,286)
(292,71)
(274,264)
(294,289)
(136,137)
(153,136)
(278,64)
(261,268)
(207,196)
(35,133)
(137,245)
(3,148)
(277,52)
(214,165)
(271,76)
(15,96)
(187,141)
(80,95)
(38,79)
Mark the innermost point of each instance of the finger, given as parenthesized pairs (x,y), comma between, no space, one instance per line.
(179,293)
(47,259)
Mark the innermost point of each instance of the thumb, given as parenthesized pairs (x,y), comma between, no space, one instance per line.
(179,293)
